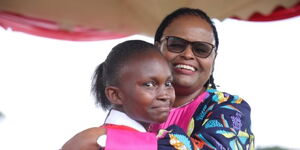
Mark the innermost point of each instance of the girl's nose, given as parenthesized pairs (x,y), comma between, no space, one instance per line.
(165,93)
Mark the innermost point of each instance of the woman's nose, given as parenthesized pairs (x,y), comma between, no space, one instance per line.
(188,52)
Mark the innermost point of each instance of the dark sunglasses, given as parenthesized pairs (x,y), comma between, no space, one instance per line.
(178,45)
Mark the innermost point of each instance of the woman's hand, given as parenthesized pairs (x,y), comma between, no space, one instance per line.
(85,140)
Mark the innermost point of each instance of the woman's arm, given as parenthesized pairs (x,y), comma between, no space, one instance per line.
(85,140)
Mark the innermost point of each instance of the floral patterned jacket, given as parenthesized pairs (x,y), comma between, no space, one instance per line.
(222,121)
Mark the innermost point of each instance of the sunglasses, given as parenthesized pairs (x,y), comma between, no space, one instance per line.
(178,45)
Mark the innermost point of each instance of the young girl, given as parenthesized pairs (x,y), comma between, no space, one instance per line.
(135,84)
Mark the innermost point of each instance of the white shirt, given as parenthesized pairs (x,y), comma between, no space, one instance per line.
(119,118)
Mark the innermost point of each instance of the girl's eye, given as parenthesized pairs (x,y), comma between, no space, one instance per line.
(169,83)
(149,84)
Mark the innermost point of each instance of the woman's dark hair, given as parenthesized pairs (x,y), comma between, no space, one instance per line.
(192,12)
(107,73)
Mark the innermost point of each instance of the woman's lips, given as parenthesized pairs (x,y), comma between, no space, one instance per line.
(184,69)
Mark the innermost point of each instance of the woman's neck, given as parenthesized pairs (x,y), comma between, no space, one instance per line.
(185,97)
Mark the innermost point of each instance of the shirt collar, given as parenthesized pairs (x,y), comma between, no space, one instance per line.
(119,118)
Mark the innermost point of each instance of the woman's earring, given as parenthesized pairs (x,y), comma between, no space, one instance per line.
(210,82)
(209,85)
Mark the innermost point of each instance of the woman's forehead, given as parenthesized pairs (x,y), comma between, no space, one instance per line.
(192,28)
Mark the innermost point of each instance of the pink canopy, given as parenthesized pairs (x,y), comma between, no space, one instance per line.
(25,19)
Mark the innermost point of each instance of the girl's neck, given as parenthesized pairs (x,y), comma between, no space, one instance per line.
(118,117)
(145,125)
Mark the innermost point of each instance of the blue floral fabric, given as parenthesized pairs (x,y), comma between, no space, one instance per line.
(222,121)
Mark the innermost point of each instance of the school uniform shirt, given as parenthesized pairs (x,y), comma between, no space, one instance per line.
(124,133)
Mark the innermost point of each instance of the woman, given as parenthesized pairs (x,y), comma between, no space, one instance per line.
(214,120)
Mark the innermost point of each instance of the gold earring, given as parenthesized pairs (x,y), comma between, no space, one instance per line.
(209,85)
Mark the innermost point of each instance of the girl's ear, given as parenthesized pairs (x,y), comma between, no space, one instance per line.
(113,95)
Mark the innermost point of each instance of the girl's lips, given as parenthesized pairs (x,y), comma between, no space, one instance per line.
(165,106)
(163,109)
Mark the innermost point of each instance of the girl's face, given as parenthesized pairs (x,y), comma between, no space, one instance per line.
(146,89)
(190,72)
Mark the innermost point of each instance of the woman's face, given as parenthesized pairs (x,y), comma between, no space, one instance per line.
(146,88)
(190,72)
